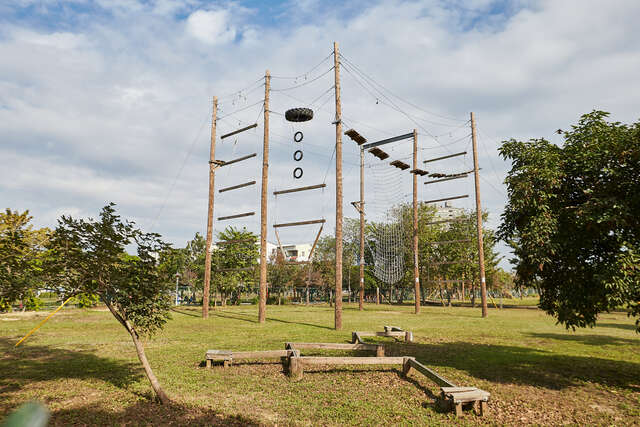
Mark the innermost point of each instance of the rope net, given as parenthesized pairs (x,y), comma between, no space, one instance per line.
(385,206)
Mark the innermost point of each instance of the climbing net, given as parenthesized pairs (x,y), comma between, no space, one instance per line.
(386,206)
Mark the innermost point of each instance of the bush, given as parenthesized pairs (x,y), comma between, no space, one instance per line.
(32,303)
(5,305)
(86,300)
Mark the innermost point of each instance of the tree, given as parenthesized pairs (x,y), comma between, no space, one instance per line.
(90,256)
(572,219)
(21,250)
(234,262)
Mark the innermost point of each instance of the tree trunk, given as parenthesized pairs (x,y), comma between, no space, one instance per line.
(155,384)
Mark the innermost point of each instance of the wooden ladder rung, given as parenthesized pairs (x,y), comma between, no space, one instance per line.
(293,224)
(222,270)
(235,187)
(446,157)
(294,190)
(234,241)
(378,153)
(238,131)
(399,164)
(446,198)
(222,218)
(230,162)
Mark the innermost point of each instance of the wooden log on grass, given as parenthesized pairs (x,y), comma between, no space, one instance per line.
(315,360)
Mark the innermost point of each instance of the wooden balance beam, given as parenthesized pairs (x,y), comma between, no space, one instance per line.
(296,364)
(227,356)
(377,348)
(389,331)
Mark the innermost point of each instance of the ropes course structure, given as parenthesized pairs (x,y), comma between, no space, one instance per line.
(298,107)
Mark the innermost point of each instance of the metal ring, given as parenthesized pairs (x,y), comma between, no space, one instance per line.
(295,136)
(297,156)
(297,173)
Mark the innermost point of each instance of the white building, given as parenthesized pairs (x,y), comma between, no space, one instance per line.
(293,252)
(448,211)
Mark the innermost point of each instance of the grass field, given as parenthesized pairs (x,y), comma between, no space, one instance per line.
(82,364)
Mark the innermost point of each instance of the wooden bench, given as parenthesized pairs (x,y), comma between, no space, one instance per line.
(457,396)
(227,356)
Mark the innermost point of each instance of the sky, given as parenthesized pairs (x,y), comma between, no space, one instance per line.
(110,100)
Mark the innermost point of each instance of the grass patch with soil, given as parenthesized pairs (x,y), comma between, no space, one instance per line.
(83,365)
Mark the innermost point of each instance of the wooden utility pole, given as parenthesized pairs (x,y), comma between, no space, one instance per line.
(361,302)
(262,306)
(338,123)
(212,176)
(416,273)
(483,284)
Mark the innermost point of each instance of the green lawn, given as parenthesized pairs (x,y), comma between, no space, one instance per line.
(82,364)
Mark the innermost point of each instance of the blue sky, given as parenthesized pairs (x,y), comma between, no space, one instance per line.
(110,100)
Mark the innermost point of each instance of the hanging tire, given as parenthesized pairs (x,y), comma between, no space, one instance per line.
(297,173)
(297,156)
(297,137)
(298,114)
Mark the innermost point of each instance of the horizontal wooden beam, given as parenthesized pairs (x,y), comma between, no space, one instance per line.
(442,221)
(234,241)
(235,187)
(230,162)
(441,381)
(223,270)
(388,140)
(446,198)
(294,190)
(239,130)
(294,224)
(445,157)
(448,262)
(449,241)
(314,360)
(446,179)
(331,346)
(222,218)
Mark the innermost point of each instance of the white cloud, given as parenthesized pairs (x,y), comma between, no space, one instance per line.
(112,109)
(211,26)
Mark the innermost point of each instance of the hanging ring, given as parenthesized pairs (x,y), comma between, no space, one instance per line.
(297,156)
(297,173)
(297,137)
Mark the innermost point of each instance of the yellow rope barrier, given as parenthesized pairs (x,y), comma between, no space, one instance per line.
(43,322)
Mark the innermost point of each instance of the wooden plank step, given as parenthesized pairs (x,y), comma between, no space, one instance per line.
(456,389)
(218,354)
(469,396)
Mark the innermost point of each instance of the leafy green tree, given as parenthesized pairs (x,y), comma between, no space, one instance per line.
(89,256)
(572,218)
(21,250)
(234,263)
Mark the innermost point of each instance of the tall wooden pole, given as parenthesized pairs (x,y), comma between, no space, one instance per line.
(361,302)
(262,307)
(338,122)
(416,273)
(483,284)
(212,176)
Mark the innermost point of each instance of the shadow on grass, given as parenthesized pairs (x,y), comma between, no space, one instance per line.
(625,326)
(588,339)
(246,318)
(147,413)
(521,365)
(186,314)
(32,363)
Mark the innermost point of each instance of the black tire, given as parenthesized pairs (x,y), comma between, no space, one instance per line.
(296,138)
(297,156)
(298,114)
(297,173)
